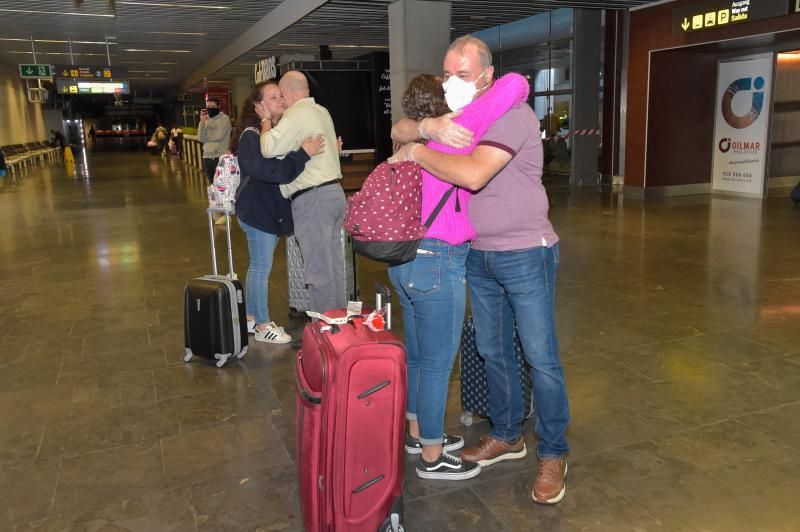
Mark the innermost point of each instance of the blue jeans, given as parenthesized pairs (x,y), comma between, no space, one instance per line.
(519,286)
(261,247)
(433,296)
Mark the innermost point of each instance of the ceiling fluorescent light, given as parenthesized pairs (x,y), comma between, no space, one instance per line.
(35,12)
(58,53)
(168,33)
(146,63)
(357,46)
(162,4)
(55,41)
(157,51)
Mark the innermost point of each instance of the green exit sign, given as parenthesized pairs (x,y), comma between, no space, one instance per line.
(36,71)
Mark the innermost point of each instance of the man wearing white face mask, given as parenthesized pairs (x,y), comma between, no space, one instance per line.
(511,267)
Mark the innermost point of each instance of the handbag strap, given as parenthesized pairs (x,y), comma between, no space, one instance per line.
(247,177)
(439,207)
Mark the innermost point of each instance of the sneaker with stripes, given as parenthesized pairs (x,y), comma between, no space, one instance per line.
(447,467)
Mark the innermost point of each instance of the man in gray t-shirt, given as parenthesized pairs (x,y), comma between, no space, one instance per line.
(511,268)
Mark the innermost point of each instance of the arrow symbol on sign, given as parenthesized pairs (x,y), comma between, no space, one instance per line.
(29,71)
(685,24)
(65,73)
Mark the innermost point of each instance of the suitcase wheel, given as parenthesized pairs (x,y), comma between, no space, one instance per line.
(188,356)
(392,524)
(221,359)
(466,419)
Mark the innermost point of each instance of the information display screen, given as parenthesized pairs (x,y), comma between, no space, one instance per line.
(71,86)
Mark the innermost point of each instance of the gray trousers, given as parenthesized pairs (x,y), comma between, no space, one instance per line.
(318,217)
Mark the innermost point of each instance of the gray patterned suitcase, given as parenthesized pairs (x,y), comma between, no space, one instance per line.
(298,293)
(475,388)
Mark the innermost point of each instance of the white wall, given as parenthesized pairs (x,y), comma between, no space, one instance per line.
(20,121)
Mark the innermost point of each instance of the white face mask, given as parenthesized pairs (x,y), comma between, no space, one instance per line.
(459,93)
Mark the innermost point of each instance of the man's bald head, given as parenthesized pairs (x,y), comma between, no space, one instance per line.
(294,85)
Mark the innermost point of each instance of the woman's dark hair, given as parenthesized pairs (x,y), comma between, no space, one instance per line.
(247,114)
(424,98)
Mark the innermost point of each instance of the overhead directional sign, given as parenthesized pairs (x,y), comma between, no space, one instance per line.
(36,71)
(715,13)
(90,72)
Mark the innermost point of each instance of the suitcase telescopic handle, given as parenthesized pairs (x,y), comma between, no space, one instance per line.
(382,293)
(227,215)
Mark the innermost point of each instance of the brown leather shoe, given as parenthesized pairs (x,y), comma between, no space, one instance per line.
(550,485)
(490,451)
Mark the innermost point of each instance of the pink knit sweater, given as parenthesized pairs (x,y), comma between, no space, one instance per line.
(451,226)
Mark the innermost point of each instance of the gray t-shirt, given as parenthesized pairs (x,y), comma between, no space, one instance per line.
(510,212)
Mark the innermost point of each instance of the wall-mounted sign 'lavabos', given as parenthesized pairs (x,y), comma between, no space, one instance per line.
(741,125)
(716,13)
(265,69)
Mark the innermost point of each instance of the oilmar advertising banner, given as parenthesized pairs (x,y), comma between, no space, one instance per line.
(741,130)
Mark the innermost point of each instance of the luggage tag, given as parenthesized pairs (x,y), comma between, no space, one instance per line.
(353,311)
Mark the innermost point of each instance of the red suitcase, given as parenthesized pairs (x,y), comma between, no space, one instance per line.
(351,400)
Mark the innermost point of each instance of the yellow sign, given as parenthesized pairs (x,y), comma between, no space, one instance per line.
(69,160)
(710,14)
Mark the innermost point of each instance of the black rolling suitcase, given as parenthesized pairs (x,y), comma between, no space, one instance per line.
(214,314)
(475,388)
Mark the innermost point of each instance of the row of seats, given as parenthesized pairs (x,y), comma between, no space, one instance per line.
(19,155)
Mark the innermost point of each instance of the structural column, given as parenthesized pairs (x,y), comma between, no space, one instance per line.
(240,91)
(419,34)
(588,34)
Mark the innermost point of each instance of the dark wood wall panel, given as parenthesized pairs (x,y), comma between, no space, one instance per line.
(651,29)
(680,131)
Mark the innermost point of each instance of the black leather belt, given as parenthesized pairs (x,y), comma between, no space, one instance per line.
(299,192)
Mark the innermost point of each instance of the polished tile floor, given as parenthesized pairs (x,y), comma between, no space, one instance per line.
(679,321)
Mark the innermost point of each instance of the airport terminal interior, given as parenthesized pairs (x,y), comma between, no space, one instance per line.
(678,288)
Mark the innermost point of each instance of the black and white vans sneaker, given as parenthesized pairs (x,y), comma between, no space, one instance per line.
(447,467)
(451,443)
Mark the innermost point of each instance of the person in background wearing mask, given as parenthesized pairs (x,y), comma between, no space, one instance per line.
(214,133)
(511,268)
